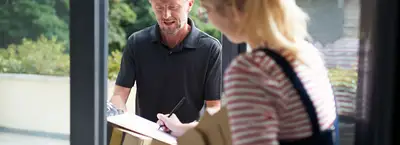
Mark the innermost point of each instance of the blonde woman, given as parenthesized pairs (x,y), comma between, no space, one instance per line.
(279,93)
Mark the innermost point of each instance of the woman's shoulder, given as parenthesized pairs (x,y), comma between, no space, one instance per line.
(255,60)
(255,67)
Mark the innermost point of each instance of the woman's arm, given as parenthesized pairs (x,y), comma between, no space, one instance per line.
(174,125)
(252,117)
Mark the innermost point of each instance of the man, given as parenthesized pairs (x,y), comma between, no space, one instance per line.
(168,61)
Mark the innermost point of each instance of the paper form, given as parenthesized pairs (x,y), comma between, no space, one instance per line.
(142,126)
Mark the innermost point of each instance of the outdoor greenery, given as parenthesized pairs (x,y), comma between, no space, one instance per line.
(344,84)
(346,78)
(35,34)
(114,61)
(44,56)
(32,18)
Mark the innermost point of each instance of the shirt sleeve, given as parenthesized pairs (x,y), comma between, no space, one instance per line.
(213,83)
(253,119)
(126,76)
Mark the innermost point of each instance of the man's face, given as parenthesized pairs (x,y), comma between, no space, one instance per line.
(171,15)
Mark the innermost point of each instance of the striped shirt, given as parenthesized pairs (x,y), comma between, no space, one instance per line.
(263,107)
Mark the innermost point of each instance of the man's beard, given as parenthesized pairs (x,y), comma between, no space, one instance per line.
(171,30)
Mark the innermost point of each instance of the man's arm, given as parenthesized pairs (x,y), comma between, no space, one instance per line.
(120,97)
(213,106)
(213,84)
(126,77)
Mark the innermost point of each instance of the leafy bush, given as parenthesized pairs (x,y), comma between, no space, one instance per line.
(114,61)
(202,23)
(120,14)
(44,56)
(344,84)
(343,77)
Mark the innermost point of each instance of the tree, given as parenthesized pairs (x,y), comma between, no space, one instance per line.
(120,14)
(29,19)
(147,18)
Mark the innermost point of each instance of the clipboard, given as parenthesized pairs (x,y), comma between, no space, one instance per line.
(130,123)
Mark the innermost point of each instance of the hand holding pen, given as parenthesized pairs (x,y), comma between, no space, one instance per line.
(170,122)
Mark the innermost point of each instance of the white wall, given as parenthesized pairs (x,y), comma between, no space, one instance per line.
(39,103)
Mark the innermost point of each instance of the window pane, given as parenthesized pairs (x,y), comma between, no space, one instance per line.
(334,26)
(34,70)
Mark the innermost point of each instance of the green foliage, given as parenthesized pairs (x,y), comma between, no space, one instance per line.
(120,14)
(34,33)
(343,77)
(62,9)
(44,56)
(29,19)
(344,84)
(146,18)
(206,27)
(114,61)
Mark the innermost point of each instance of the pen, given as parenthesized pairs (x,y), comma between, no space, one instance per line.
(177,106)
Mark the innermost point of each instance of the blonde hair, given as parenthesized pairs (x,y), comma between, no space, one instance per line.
(279,23)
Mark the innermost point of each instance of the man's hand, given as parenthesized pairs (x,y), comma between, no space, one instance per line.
(112,110)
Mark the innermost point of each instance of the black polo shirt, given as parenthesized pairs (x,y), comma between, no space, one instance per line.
(164,75)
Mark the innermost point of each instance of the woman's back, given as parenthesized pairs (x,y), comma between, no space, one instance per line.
(264,107)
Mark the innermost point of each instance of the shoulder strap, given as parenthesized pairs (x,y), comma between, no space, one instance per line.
(298,85)
(304,97)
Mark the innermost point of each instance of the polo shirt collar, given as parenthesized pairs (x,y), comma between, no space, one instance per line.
(190,40)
